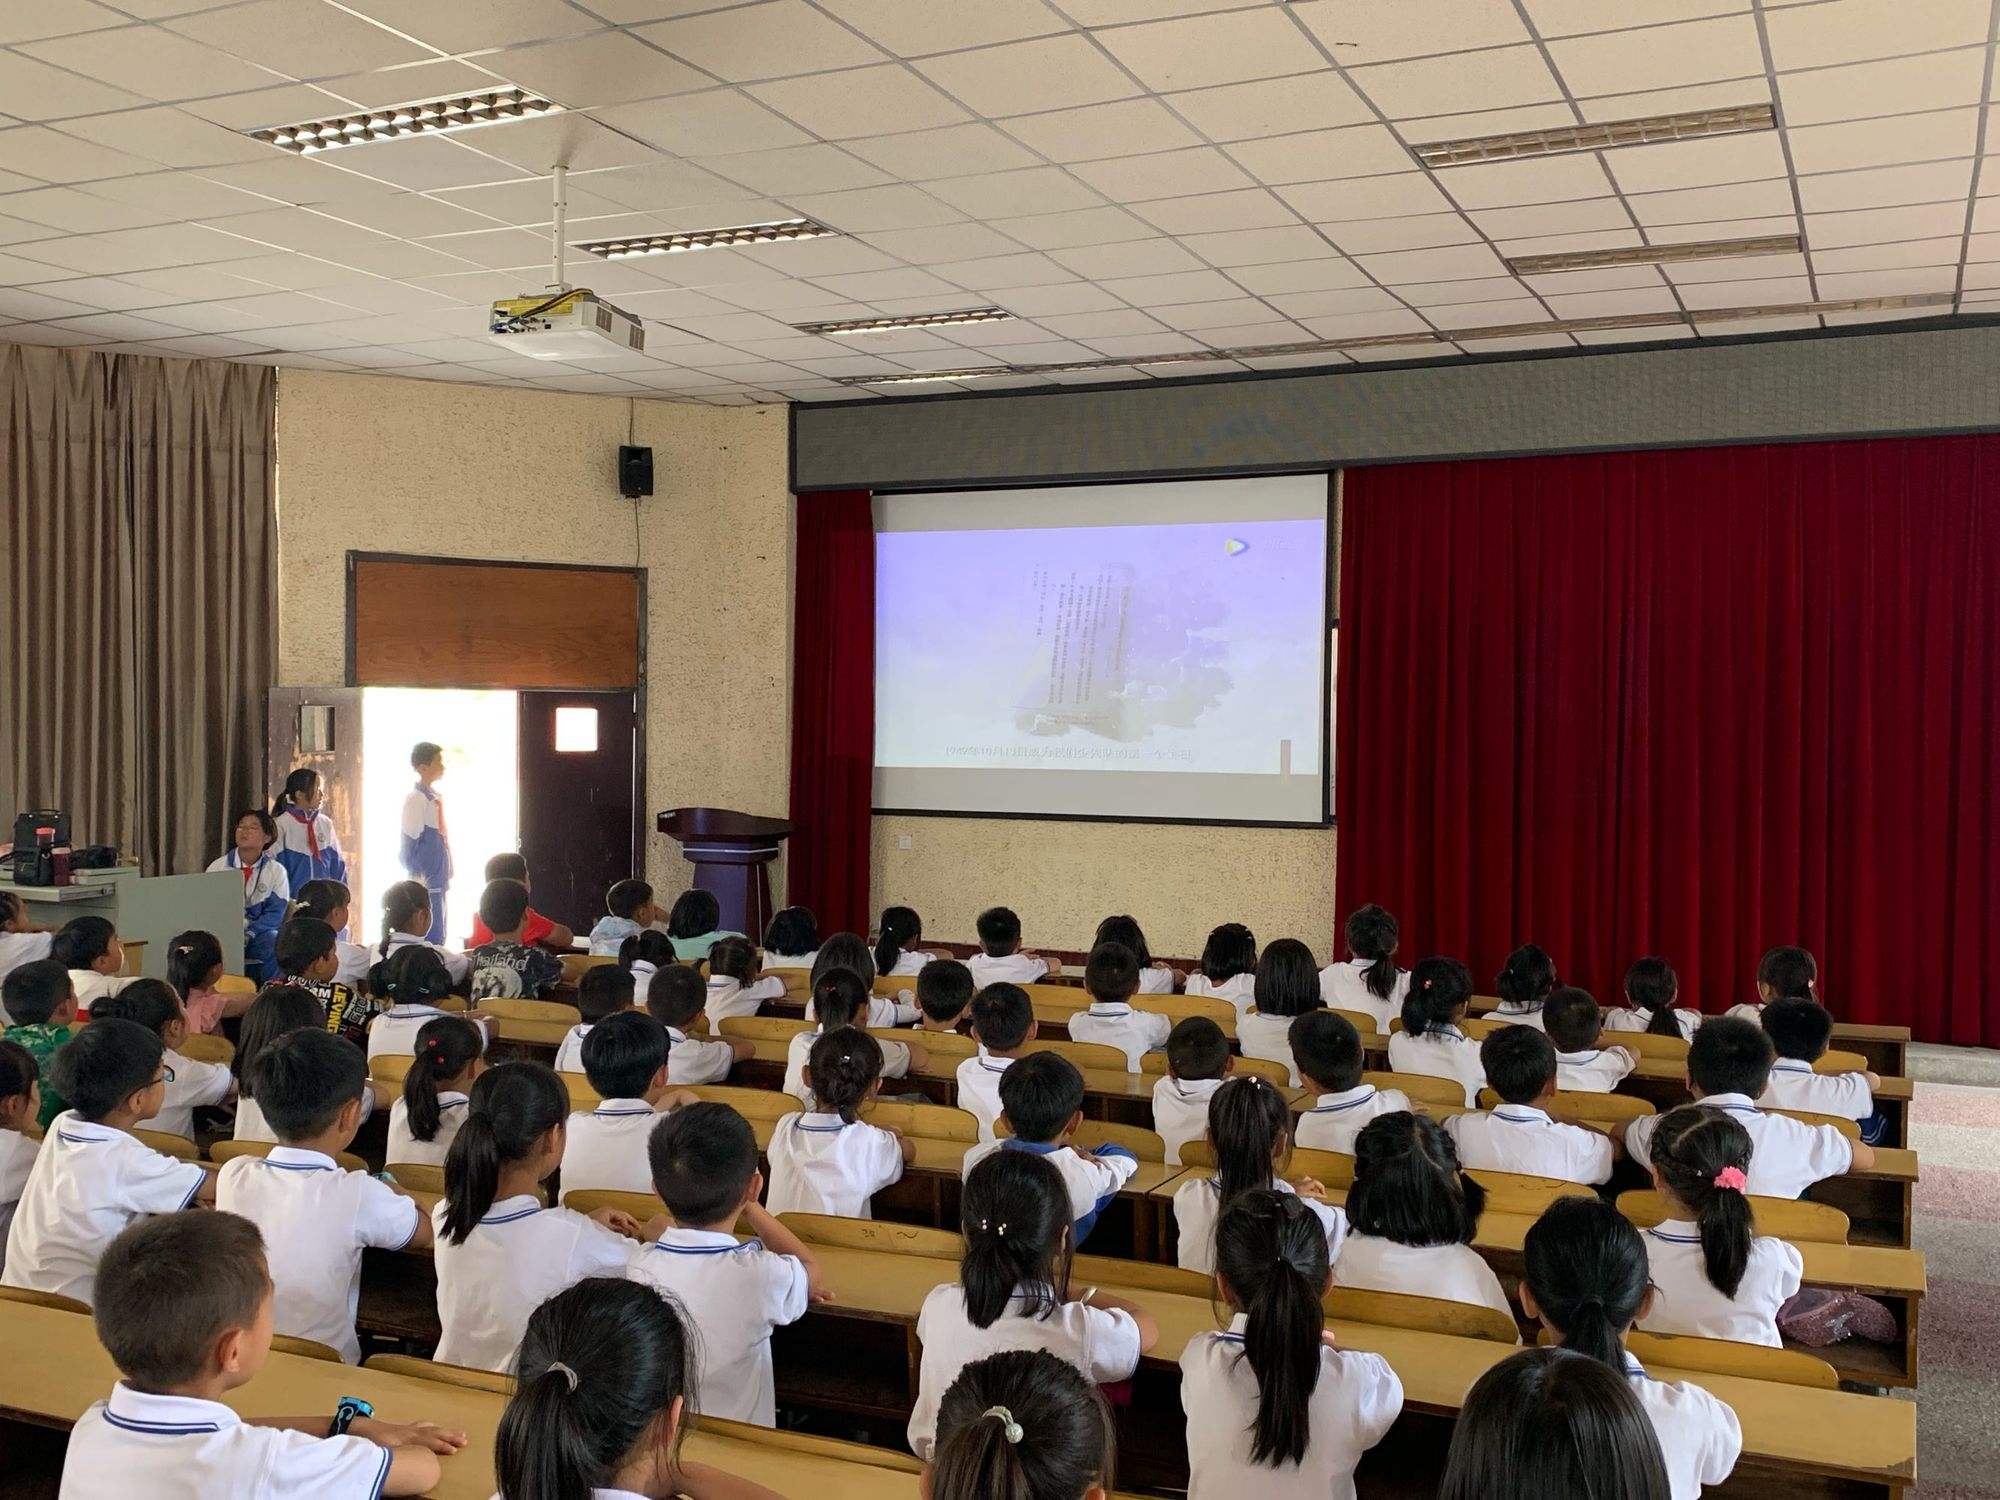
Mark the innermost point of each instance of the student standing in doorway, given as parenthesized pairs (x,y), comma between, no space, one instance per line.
(426,845)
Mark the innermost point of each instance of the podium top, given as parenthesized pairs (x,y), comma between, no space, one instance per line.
(719,824)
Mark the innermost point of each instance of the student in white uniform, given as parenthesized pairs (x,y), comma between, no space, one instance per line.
(602,993)
(674,999)
(849,951)
(1432,1041)
(267,888)
(1273,1409)
(499,1253)
(20,1101)
(413,979)
(185,1311)
(1249,1135)
(1041,1109)
(897,936)
(1729,1065)
(1584,1064)
(1003,1023)
(1367,981)
(1518,1134)
(1549,1421)
(703,1161)
(838,1000)
(89,948)
(1198,1060)
(1328,1056)
(317,1219)
(331,902)
(643,955)
(1014,1291)
(92,1177)
(829,1160)
(1155,978)
(736,987)
(279,1010)
(1002,956)
(1021,1422)
(1412,1214)
(406,921)
(1228,967)
(424,1121)
(21,941)
(1111,976)
(601,1399)
(1287,987)
(1526,980)
(1712,1273)
(626,1063)
(1800,1031)
(1783,973)
(1586,1281)
(791,939)
(1652,995)
(191,1085)
(944,996)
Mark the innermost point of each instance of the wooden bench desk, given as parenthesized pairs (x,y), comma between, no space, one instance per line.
(1885,1047)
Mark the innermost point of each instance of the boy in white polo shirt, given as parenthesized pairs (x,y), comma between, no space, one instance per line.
(674,999)
(92,1177)
(602,992)
(1800,1031)
(1003,1022)
(704,1167)
(1112,977)
(316,1218)
(1519,1135)
(184,1309)
(1576,1026)
(1002,957)
(1327,1053)
(625,1059)
(1198,1061)
(1729,1066)
(1041,1099)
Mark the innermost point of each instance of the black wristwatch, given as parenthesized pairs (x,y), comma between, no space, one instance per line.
(350,1410)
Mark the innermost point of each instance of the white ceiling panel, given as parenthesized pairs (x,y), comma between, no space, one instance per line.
(1277,106)
(1207,51)
(1052,73)
(607,67)
(1437,85)
(1317,155)
(151,62)
(1653,57)
(1123,128)
(774,39)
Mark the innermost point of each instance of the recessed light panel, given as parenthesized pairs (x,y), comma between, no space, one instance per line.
(1564,139)
(432,117)
(777,232)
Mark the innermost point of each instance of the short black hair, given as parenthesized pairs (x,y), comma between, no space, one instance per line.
(1408,1186)
(1327,1050)
(1001,1016)
(944,989)
(604,990)
(1519,1063)
(503,905)
(733,958)
(423,753)
(1196,1048)
(702,1158)
(105,1064)
(509,864)
(303,942)
(626,897)
(168,1287)
(82,941)
(304,1079)
(1039,1094)
(1798,1028)
(694,913)
(152,1003)
(1651,983)
(35,991)
(1572,1018)
(675,995)
(999,931)
(623,1052)
(1729,1055)
(1287,979)
(18,1070)
(1111,972)
(792,931)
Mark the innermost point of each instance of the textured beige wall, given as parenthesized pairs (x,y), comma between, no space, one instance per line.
(374,463)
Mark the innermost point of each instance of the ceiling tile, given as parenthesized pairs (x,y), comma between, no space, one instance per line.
(1580,217)
(1611,304)
(771,40)
(1895,281)
(76,212)
(38,151)
(1208,51)
(1365,197)
(1693,205)
(1252,208)
(1257,247)
(1164,174)
(105,293)
(575,141)
(1276,106)
(48,18)
(1638,106)
(1763,292)
(914,30)
(860,101)
(1136,344)
(171,137)
(1904,85)
(1123,128)
(1943,251)
(421,162)
(1488,314)
(712,123)
(1040,301)
(1554,18)
(1652,57)
(299,38)
(1849,31)
(287,104)
(1224,312)
(150,62)
(667,187)
(865,209)
(997,194)
(409,84)
(1132,258)
(1356,151)
(1878,143)
(1051,73)
(1367,324)
(1735,268)
(138,249)
(1478,289)
(1089,226)
(1004,271)
(1453,262)
(1120,12)
(795,169)
(1337,302)
(35,91)
(1698,163)
(1172,287)
(1370,31)
(1410,232)
(942,242)
(610,67)
(1326,273)
(1508,184)
(1096,325)
(866,286)
(1503,76)
(1886,187)
(956,150)
(473,25)
(1465,123)
(1874,226)
(409,215)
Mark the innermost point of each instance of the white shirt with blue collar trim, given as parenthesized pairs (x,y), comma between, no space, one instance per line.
(89,1181)
(1596,1070)
(979,1089)
(1700,1437)
(404,1147)
(184,1448)
(1794,1085)
(735,1294)
(394,1032)
(1686,1301)
(1343,985)
(1180,1111)
(1112,1023)
(1441,1052)
(1521,1138)
(1334,1120)
(798,1052)
(692,1061)
(606,1148)
(516,1257)
(1093,1180)
(1198,1204)
(1787,1156)
(820,1164)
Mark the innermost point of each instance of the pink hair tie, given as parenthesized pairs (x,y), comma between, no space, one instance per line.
(1731,1178)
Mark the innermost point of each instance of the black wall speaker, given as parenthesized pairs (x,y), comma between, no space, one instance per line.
(635,471)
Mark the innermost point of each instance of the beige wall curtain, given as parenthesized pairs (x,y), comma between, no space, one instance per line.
(140,627)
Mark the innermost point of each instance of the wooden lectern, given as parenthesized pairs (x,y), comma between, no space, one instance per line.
(731,853)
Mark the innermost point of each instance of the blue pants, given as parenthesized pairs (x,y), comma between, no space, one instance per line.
(436,934)
(260,956)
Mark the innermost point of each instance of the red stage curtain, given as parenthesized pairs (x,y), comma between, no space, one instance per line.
(833,708)
(1692,703)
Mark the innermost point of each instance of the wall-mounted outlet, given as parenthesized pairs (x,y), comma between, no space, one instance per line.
(902,841)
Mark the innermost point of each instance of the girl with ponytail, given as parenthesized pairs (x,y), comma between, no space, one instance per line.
(406,921)
(1155,978)
(1716,1275)
(499,1253)
(194,968)
(307,846)
(841,999)
(450,1055)
(1022,1426)
(1651,990)
(1523,983)
(1586,1281)
(1014,1291)
(1249,1135)
(896,934)
(1432,1041)
(1271,1393)
(602,1391)
(1367,980)
(1783,973)
(849,951)
(413,980)
(642,955)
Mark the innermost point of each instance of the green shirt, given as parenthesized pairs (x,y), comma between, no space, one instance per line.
(692,950)
(43,1042)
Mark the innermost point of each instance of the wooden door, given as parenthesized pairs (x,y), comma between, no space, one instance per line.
(579,764)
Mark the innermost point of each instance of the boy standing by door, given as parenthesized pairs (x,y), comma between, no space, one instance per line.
(426,845)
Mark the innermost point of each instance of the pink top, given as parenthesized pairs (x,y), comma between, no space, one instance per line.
(204,1010)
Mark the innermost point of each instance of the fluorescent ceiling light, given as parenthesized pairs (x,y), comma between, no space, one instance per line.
(432,117)
(1647,255)
(705,239)
(1560,140)
(915,320)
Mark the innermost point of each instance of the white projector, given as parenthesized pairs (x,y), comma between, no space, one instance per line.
(565,325)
